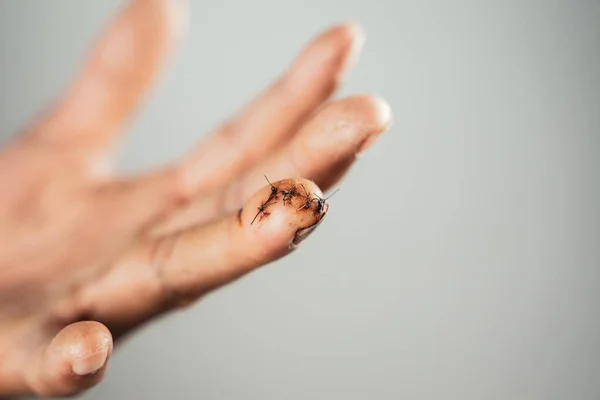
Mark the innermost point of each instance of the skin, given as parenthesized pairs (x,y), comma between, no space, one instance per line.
(89,255)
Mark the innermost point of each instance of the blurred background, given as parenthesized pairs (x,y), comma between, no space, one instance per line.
(461,258)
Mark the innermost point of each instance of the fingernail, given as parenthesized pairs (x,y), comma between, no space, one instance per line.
(90,364)
(384,120)
(358,41)
(179,19)
(302,233)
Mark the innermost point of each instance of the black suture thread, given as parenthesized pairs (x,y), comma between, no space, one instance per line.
(273,188)
(321,201)
(288,195)
(308,199)
(262,208)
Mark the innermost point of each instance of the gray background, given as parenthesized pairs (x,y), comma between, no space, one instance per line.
(473,274)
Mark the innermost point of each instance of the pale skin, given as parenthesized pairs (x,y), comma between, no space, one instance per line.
(88,255)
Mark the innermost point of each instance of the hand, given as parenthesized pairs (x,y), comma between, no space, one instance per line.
(88,255)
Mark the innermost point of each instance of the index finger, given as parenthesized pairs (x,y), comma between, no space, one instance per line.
(116,76)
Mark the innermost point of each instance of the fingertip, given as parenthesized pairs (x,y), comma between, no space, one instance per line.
(75,360)
(382,117)
(358,30)
(356,122)
(280,222)
(178,15)
(170,15)
(327,58)
(354,34)
(384,110)
(350,33)
(370,110)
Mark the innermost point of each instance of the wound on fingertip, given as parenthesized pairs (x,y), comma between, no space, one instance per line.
(297,195)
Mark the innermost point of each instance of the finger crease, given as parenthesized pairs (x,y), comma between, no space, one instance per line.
(160,254)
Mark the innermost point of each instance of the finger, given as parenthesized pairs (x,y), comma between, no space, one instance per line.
(116,75)
(275,115)
(128,206)
(177,269)
(324,150)
(75,360)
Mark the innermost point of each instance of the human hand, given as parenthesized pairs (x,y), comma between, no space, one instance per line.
(87,255)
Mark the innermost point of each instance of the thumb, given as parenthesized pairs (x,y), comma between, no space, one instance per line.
(75,360)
